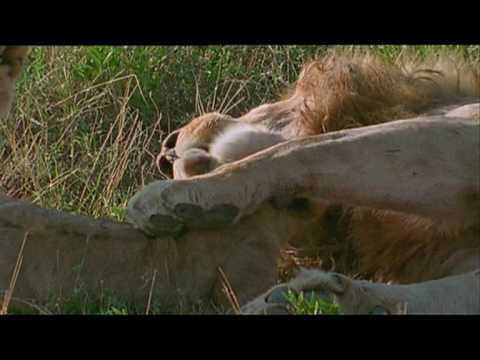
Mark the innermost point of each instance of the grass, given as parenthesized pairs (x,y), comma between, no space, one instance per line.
(89,120)
(309,304)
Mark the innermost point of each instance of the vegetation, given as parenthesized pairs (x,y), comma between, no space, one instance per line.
(309,304)
(89,120)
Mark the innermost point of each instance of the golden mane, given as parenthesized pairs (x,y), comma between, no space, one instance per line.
(352,89)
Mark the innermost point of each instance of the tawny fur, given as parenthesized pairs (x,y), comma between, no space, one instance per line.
(240,140)
(352,90)
(194,162)
(235,141)
(451,295)
(216,140)
(391,246)
(345,90)
(11,63)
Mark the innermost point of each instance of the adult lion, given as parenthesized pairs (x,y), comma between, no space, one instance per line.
(392,200)
(200,264)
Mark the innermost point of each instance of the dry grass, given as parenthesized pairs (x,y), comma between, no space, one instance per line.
(86,127)
(87,123)
(16,270)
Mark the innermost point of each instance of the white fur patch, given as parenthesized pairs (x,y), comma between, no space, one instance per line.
(467,111)
(241,140)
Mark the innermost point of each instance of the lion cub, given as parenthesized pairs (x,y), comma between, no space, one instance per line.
(236,141)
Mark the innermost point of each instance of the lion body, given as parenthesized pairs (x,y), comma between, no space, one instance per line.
(383,239)
(342,193)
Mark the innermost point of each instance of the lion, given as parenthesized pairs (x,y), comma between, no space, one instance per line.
(458,294)
(234,142)
(66,254)
(351,153)
(11,64)
(336,92)
(228,254)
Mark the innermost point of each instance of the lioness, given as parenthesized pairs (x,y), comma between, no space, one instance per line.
(408,189)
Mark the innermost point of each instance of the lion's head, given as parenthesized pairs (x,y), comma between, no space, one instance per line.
(192,141)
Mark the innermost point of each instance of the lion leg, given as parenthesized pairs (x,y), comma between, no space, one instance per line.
(426,167)
(449,295)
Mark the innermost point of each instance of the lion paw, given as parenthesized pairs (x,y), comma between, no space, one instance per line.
(273,302)
(199,218)
(166,208)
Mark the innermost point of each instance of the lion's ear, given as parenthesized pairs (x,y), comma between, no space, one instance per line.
(337,283)
(170,141)
(164,166)
(15,52)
